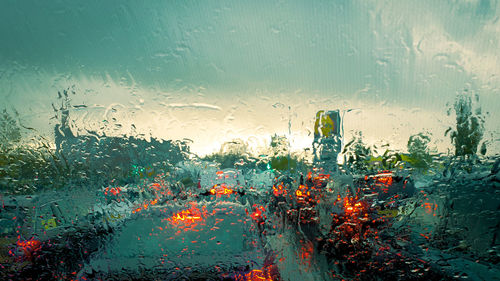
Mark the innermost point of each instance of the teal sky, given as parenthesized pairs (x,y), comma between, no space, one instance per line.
(398,62)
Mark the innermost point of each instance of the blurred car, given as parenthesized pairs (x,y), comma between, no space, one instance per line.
(385,184)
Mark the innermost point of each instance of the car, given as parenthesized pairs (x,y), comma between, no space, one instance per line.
(384,185)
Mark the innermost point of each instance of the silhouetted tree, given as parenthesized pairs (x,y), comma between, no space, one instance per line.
(469,127)
(357,153)
(10,132)
(418,148)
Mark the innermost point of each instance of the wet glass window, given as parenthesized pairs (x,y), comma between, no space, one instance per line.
(250,140)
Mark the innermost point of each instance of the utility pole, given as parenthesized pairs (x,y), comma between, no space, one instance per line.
(289,135)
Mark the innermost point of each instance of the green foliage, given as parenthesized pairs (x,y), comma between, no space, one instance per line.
(361,158)
(357,153)
(225,160)
(279,145)
(85,160)
(390,159)
(10,132)
(235,154)
(280,154)
(231,154)
(418,149)
(29,167)
(25,167)
(469,128)
(284,163)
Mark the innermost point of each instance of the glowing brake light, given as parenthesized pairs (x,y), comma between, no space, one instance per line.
(29,247)
(114,190)
(350,206)
(264,274)
(258,214)
(385,180)
(279,190)
(302,193)
(221,190)
(188,217)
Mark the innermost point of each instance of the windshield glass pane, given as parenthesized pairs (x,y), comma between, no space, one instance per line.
(249,140)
